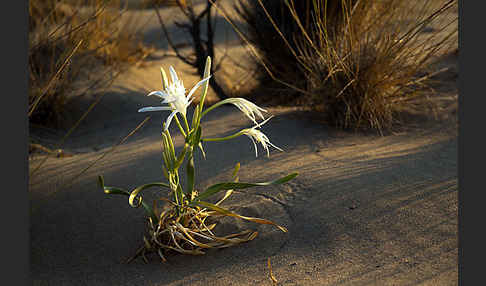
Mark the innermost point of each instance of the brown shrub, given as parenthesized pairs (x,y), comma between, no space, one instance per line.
(360,63)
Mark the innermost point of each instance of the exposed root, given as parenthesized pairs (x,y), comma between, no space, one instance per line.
(186,233)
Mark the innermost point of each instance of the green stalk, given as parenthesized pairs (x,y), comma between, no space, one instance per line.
(181,198)
(225,138)
(173,188)
(186,123)
(190,172)
(207,71)
(179,125)
(177,189)
(212,107)
(228,100)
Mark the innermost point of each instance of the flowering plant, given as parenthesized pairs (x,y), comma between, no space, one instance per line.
(183,224)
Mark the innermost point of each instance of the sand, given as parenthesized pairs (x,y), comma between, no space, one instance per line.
(365,209)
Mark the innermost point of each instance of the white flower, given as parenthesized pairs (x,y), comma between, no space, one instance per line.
(248,108)
(174,95)
(257,136)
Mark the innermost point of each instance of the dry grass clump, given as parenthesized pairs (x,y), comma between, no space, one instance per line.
(69,40)
(362,65)
(270,27)
(189,233)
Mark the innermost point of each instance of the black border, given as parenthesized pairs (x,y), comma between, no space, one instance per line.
(460,153)
(15,200)
(465,58)
(470,70)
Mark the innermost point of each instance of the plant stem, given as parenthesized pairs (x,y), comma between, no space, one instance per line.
(187,124)
(225,138)
(180,126)
(207,71)
(211,108)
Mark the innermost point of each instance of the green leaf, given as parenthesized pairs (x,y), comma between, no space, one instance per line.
(195,116)
(171,147)
(235,185)
(190,174)
(147,208)
(101,182)
(118,191)
(196,137)
(111,190)
(167,154)
(188,139)
(165,82)
(115,191)
(181,157)
(202,149)
(207,71)
(180,195)
(137,190)
(235,172)
(150,212)
(165,173)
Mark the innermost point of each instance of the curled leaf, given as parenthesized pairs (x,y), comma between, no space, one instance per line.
(119,191)
(137,190)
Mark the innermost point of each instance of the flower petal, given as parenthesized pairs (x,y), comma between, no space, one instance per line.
(196,86)
(173,74)
(164,95)
(158,93)
(168,100)
(165,83)
(259,125)
(169,119)
(276,147)
(152,108)
(189,102)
